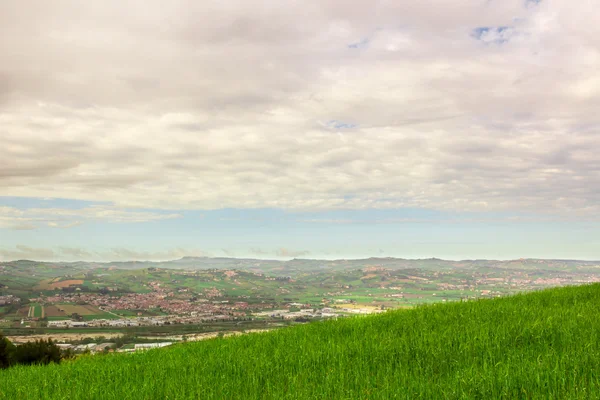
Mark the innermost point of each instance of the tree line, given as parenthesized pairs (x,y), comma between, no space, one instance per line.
(37,352)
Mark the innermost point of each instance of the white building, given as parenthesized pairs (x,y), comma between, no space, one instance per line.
(146,346)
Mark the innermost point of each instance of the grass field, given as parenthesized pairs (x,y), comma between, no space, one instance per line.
(538,345)
(101,315)
(38,311)
(35,311)
(57,318)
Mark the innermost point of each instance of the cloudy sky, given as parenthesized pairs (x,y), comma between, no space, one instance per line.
(279,129)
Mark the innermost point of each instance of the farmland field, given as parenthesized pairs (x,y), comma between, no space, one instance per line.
(62,284)
(54,311)
(69,309)
(88,312)
(52,284)
(537,345)
(37,311)
(23,312)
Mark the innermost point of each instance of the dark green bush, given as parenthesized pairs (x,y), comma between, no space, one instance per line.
(38,352)
(6,352)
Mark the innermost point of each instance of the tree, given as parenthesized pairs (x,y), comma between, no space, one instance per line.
(38,352)
(7,350)
(68,354)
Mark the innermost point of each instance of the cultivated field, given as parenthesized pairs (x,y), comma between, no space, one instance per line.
(36,311)
(54,311)
(539,345)
(52,284)
(23,311)
(69,309)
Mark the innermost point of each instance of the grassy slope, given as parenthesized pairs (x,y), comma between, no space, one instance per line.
(538,345)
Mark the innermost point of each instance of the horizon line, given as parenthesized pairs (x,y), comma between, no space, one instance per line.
(306,259)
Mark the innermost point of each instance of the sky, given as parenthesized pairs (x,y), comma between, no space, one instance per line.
(277,129)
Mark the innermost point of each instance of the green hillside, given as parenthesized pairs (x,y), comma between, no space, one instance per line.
(538,345)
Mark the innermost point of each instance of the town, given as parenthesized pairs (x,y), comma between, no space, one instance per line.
(164,304)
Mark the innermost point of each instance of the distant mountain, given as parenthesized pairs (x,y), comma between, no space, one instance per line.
(299,266)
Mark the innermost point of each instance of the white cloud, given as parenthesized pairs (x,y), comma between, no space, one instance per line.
(285,252)
(178,105)
(22,252)
(127,254)
(32,218)
(281,252)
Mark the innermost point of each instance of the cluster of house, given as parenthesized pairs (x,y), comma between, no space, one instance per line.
(106,322)
(305,313)
(9,299)
(149,301)
(141,321)
(91,347)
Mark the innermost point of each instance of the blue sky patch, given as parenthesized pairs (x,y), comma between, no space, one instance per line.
(271,232)
(492,34)
(38,202)
(335,124)
(360,44)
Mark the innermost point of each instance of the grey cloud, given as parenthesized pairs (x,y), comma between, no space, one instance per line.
(222,105)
